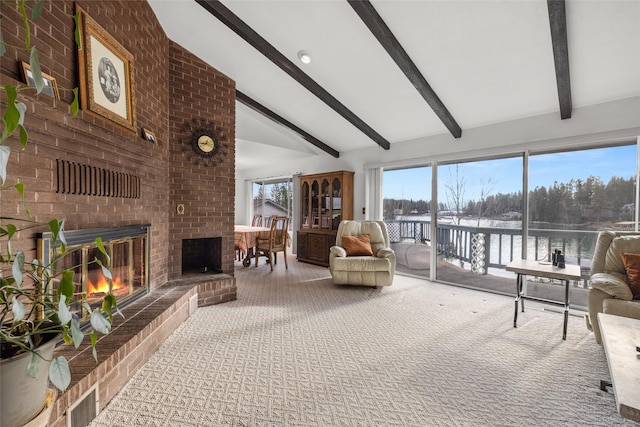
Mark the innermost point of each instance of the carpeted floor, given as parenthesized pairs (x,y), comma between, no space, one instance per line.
(296,350)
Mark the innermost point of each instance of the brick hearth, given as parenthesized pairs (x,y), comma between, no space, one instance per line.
(147,323)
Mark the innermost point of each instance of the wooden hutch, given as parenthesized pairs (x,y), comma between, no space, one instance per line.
(326,199)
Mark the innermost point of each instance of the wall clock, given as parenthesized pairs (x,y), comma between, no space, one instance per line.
(204,142)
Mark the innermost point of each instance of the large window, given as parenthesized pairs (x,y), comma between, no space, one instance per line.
(583,190)
(572,196)
(273,197)
(482,217)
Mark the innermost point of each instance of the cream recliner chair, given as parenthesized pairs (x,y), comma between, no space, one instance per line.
(366,270)
(610,292)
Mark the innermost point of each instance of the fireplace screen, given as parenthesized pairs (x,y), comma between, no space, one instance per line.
(128,248)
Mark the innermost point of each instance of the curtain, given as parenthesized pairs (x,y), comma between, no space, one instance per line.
(373,193)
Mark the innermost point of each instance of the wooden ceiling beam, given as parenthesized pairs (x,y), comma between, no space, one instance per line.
(217,9)
(256,106)
(558,24)
(381,31)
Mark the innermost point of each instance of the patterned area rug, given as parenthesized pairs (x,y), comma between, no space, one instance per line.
(296,350)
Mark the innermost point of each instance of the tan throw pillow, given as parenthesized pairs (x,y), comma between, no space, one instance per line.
(357,245)
(632,265)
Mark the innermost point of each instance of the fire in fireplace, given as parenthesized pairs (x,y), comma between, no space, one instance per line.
(128,248)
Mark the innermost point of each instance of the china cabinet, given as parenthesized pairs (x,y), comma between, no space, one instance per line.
(326,199)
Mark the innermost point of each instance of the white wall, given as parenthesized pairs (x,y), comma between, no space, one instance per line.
(611,121)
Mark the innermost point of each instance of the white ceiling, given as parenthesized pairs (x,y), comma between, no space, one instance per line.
(488,61)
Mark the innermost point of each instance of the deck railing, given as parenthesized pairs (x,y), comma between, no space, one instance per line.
(495,247)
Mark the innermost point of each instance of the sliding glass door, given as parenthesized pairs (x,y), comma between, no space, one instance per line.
(407,214)
(479,222)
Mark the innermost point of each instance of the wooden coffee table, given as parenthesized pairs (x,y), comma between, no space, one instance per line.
(620,336)
(526,267)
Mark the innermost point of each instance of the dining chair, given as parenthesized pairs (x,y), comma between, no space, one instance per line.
(268,220)
(275,242)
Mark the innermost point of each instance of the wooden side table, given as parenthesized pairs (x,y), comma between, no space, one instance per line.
(525,267)
(620,336)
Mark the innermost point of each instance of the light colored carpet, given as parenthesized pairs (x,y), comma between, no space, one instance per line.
(296,350)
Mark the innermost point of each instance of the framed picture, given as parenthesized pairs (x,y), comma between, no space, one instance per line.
(106,70)
(149,135)
(50,84)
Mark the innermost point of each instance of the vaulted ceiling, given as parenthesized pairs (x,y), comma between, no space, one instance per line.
(383,72)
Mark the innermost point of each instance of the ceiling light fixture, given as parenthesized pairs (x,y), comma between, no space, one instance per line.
(304,56)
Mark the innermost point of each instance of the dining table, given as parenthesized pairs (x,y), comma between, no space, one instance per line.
(245,240)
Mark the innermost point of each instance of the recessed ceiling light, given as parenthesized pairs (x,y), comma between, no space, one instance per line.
(304,56)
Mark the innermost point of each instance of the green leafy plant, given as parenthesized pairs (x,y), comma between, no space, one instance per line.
(31,307)
(13,116)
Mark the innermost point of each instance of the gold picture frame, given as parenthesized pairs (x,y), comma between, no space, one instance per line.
(106,71)
(50,83)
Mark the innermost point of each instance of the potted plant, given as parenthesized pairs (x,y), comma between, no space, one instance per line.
(35,314)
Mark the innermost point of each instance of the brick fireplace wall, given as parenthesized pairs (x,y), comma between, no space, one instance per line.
(200,97)
(173,89)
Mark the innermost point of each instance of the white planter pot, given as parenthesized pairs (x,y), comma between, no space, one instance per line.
(42,419)
(22,398)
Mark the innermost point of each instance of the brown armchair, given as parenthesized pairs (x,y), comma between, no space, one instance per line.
(276,241)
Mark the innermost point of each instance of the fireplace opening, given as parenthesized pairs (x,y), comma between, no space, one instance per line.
(202,255)
(128,248)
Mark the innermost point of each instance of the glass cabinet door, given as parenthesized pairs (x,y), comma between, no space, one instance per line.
(326,205)
(325,200)
(315,207)
(336,203)
(305,205)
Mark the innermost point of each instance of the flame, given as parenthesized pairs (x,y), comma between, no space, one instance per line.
(102,285)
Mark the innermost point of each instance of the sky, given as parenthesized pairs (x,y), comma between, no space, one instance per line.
(505,175)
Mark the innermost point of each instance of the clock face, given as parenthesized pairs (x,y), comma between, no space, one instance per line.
(206,143)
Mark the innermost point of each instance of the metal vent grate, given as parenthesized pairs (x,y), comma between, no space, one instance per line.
(84,410)
(76,178)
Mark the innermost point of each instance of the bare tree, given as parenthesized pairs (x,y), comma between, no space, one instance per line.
(456,188)
(486,189)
